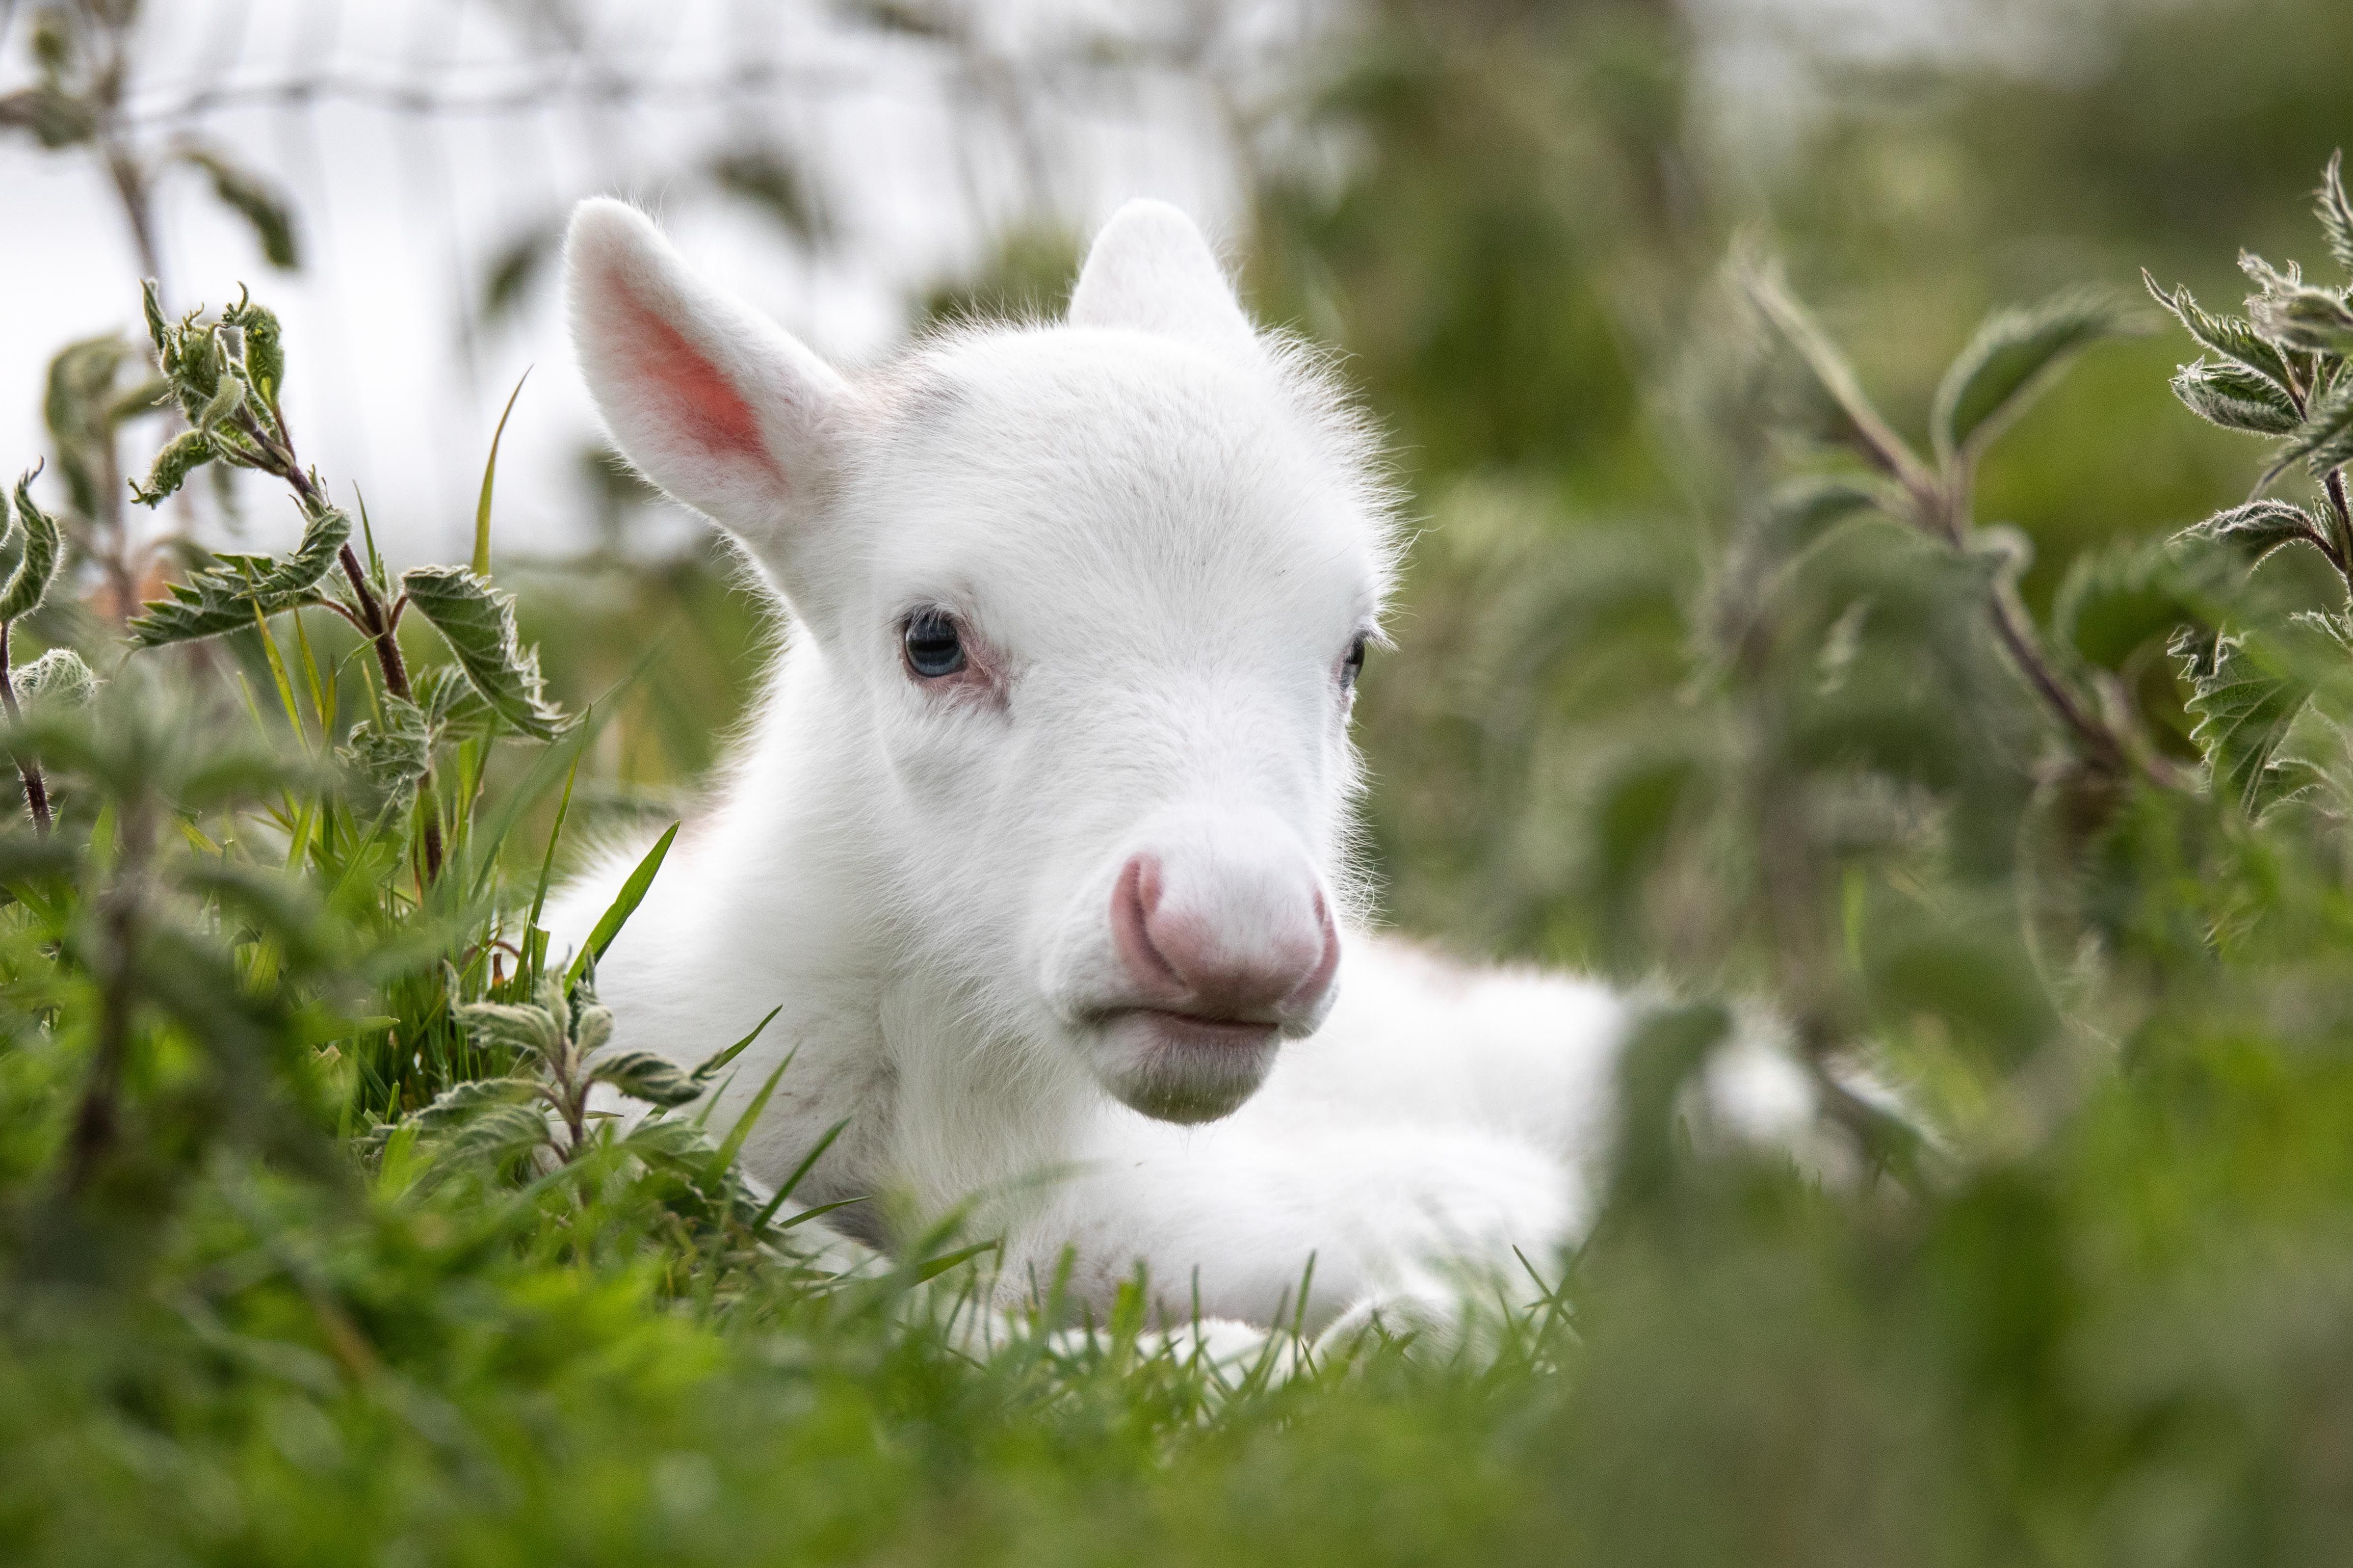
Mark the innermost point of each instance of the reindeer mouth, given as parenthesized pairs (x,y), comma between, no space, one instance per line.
(1183,1067)
(1200,1030)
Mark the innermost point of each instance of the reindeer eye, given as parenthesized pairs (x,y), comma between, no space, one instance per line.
(1353,665)
(933,646)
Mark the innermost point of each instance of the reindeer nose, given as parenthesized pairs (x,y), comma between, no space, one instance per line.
(1244,944)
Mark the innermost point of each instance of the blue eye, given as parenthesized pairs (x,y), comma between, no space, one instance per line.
(935,647)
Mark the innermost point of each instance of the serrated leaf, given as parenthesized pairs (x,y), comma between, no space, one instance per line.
(2228,336)
(667,1136)
(2261,527)
(499,1133)
(2324,439)
(386,756)
(181,455)
(2114,601)
(642,1075)
(58,680)
(1804,509)
(456,1104)
(453,709)
(2269,279)
(478,623)
(36,538)
(2306,320)
(2243,708)
(223,595)
(2013,356)
(2235,398)
(519,1027)
(592,1026)
(2336,213)
(264,345)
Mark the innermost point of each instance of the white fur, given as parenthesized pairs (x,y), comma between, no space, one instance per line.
(1163,530)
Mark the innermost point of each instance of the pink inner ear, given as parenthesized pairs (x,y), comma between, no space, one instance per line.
(709,410)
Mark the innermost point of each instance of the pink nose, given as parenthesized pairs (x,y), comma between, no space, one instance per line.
(1270,961)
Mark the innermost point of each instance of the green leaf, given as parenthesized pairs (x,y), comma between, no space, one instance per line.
(1804,509)
(2324,439)
(265,346)
(452,707)
(255,202)
(224,595)
(1797,327)
(2261,527)
(666,1136)
(2235,398)
(181,455)
(523,1028)
(2115,601)
(642,1075)
(58,680)
(453,1108)
(478,622)
(2306,320)
(499,1133)
(624,904)
(2015,354)
(2244,706)
(2228,336)
(36,561)
(386,756)
(2336,213)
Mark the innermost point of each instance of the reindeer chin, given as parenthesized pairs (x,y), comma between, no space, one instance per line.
(1172,1067)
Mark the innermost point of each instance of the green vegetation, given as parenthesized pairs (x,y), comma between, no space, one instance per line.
(1960,691)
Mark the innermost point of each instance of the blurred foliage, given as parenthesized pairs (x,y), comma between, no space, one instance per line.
(1783,633)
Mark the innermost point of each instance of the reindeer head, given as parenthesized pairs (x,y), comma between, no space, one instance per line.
(1092,597)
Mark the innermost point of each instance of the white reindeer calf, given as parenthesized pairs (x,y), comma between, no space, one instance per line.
(1041,838)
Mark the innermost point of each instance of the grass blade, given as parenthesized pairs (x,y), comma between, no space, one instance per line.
(547,865)
(807,1160)
(625,904)
(490,477)
(710,1069)
(724,1161)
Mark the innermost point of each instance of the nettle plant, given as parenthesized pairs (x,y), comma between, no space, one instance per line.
(216,939)
(227,373)
(2261,685)
(30,547)
(2254,674)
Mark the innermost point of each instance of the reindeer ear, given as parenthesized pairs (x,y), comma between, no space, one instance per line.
(711,400)
(1151,272)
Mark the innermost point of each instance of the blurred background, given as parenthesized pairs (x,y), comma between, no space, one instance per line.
(1510,216)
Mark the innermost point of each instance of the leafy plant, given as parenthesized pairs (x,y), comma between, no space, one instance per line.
(228,375)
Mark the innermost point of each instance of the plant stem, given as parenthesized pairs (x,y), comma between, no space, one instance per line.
(2334,485)
(277,457)
(1947,518)
(2012,627)
(37,793)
